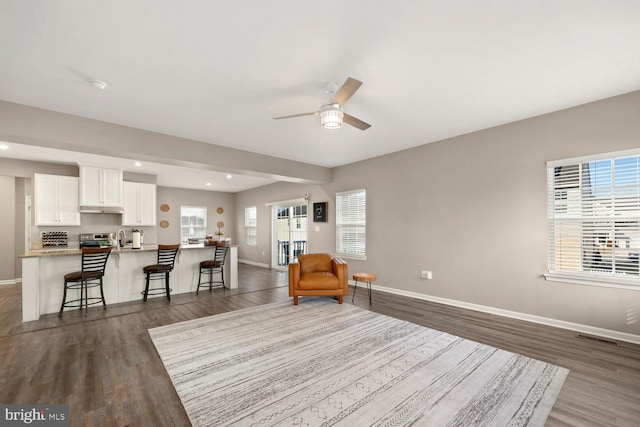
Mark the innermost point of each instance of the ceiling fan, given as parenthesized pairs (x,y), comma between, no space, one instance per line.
(331,115)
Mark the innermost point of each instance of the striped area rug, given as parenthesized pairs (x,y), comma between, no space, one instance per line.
(325,364)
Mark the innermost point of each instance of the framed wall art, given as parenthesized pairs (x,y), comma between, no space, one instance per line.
(320,212)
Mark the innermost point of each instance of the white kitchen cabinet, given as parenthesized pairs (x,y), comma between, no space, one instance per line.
(139,204)
(100,187)
(56,200)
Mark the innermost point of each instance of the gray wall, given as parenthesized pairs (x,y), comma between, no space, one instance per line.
(212,200)
(322,240)
(7,228)
(472,209)
(23,188)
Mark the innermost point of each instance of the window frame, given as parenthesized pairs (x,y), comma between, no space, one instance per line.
(248,227)
(185,240)
(563,212)
(343,222)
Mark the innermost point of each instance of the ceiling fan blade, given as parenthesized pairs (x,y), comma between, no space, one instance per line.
(349,87)
(295,115)
(349,119)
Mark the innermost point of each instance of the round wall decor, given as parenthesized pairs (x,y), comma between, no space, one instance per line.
(219,210)
(164,223)
(220,224)
(164,207)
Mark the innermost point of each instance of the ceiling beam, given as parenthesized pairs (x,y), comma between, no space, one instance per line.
(22,124)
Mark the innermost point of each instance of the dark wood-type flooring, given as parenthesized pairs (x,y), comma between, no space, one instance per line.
(104,365)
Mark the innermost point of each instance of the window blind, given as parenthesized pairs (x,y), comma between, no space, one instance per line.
(351,224)
(594,218)
(250,225)
(193,221)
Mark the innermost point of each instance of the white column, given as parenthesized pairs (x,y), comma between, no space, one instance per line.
(30,281)
(232,264)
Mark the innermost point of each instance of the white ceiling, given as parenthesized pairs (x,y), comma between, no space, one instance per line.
(218,72)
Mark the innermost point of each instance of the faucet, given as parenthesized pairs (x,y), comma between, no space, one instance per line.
(123,238)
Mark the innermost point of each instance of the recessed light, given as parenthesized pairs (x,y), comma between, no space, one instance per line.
(229,176)
(137,164)
(4,147)
(208,184)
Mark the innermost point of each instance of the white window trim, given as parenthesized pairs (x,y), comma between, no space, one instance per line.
(594,157)
(596,280)
(246,227)
(593,279)
(206,215)
(347,255)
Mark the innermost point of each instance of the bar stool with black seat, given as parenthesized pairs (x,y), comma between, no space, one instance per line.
(160,270)
(94,261)
(213,266)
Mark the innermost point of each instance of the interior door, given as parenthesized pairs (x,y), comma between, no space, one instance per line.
(290,234)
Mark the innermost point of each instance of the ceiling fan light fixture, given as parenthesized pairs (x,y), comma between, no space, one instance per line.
(331,116)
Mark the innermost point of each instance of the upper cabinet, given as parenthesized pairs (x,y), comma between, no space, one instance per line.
(56,200)
(100,188)
(139,204)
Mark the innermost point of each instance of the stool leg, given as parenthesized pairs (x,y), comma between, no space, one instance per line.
(104,302)
(222,277)
(199,280)
(81,293)
(355,288)
(369,288)
(64,299)
(210,280)
(166,285)
(146,288)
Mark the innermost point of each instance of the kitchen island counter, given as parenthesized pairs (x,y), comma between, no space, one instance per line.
(44,269)
(76,251)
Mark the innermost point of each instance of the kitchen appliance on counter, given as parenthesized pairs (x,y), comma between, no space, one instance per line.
(95,240)
(54,239)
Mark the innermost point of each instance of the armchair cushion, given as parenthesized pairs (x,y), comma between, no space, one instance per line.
(313,263)
(319,280)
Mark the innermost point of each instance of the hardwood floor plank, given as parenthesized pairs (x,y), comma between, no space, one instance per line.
(104,365)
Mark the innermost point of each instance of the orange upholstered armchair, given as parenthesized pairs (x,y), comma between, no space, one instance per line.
(318,275)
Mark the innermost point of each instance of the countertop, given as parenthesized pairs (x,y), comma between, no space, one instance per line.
(34,253)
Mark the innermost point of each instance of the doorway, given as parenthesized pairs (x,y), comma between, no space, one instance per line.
(289,225)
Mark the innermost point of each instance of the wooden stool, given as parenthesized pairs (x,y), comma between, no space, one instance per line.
(363,277)
(215,265)
(94,261)
(160,270)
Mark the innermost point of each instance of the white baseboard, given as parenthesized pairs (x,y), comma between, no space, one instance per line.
(257,264)
(10,282)
(578,327)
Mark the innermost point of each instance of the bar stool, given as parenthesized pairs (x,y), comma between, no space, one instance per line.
(215,265)
(160,270)
(94,261)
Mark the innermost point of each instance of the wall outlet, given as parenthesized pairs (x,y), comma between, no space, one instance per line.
(426,275)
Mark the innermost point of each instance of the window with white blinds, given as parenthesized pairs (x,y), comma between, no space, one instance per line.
(250,225)
(351,224)
(193,223)
(594,218)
